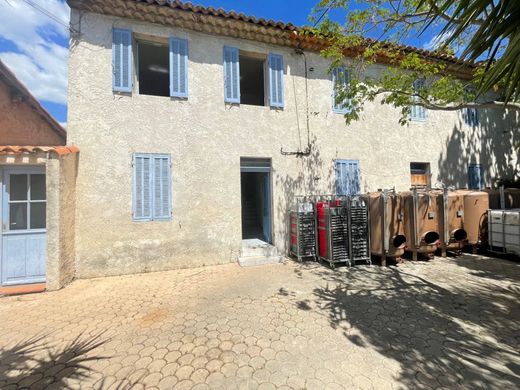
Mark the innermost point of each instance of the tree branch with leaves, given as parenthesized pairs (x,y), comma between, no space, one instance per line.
(484,33)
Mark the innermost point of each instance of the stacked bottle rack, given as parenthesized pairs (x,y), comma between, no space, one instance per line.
(333,232)
(303,230)
(359,230)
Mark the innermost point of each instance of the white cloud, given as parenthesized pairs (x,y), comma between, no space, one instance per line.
(437,41)
(39,61)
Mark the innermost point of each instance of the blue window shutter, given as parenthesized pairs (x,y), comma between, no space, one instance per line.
(162,187)
(354,176)
(178,67)
(340,80)
(340,178)
(471,116)
(122,60)
(142,186)
(475,177)
(231,75)
(417,113)
(275,62)
(152,193)
(348,178)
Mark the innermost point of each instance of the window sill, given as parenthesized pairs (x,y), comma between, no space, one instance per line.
(152,220)
(253,106)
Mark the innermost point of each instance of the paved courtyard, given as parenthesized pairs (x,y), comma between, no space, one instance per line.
(447,323)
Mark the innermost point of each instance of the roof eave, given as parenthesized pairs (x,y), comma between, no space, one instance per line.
(219,22)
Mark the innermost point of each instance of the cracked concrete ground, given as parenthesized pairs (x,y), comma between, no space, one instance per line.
(446,323)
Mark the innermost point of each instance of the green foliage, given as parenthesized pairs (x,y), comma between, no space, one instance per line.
(496,36)
(395,21)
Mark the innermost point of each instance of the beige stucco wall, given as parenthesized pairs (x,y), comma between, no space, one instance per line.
(206,139)
(61,213)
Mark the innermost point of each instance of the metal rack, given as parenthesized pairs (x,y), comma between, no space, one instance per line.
(333,231)
(303,229)
(359,233)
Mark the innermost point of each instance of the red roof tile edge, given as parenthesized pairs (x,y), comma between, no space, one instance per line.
(59,150)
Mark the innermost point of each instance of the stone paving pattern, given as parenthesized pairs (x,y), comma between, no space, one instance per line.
(447,323)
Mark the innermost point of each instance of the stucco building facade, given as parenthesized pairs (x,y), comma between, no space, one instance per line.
(210,142)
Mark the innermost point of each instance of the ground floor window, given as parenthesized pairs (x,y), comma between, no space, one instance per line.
(420,174)
(475,181)
(152,187)
(348,177)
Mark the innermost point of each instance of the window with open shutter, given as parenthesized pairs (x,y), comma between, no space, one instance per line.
(417,113)
(231,75)
(178,67)
(475,181)
(348,177)
(122,60)
(275,62)
(340,80)
(152,187)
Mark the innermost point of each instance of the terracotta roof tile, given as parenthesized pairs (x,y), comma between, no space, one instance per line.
(220,12)
(188,6)
(287,30)
(59,150)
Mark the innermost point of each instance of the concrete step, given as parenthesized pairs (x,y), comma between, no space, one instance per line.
(256,247)
(257,252)
(252,261)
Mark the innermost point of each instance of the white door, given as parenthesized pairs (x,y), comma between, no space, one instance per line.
(22,229)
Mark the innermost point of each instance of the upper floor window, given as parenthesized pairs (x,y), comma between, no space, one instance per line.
(249,77)
(152,68)
(162,67)
(470,114)
(417,112)
(340,80)
(252,79)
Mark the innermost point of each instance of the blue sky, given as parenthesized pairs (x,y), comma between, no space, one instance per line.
(35,46)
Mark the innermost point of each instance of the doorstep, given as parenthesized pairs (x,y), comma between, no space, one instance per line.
(257,252)
(22,289)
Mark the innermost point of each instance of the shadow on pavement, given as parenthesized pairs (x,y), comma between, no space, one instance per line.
(442,332)
(32,363)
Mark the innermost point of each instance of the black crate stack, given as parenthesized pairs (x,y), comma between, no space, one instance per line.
(359,230)
(339,252)
(303,234)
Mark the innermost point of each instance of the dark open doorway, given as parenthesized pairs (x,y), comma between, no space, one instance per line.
(256,200)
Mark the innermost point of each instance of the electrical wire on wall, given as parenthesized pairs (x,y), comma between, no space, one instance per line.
(307,150)
(299,50)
